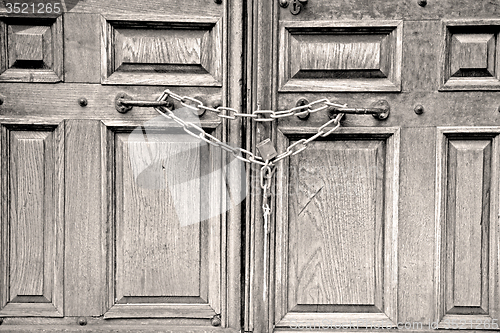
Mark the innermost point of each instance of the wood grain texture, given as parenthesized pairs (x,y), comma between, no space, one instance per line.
(28,190)
(62,101)
(35,243)
(28,43)
(473,51)
(160,311)
(409,10)
(115,328)
(315,320)
(416,228)
(158,210)
(86,223)
(333,210)
(420,60)
(170,51)
(312,52)
(318,56)
(442,108)
(149,8)
(466,195)
(82,56)
(157,47)
(307,259)
(232,295)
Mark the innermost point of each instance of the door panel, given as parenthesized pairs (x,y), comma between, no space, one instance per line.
(337,195)
(168,51)
(466,201)
(177,243)
(32,227)
(332,56)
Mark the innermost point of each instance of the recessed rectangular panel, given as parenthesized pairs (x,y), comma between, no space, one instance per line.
(469,167)
(331,56)
(165,52)
(167,234)
(336,229)
(27,213)
(149,46)
(465,211)
(334,209)
(335,53)
(160,183)
(34,266)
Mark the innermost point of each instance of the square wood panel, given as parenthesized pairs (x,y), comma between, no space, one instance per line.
(333,56)
(470,55)
(31,50)
(164,52)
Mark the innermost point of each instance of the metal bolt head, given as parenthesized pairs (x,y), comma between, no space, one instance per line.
(216,320)
(83,102)
(419,109)
(82,321)
(284,3)
(422,3)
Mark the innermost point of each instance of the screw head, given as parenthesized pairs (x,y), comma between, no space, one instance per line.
(422,3)
(419,109)
(83,102)
(284,3)
(82,321)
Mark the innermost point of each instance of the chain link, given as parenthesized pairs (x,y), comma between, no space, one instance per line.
(259,116)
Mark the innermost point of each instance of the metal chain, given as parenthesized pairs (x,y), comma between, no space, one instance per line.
(266,177)
(258,115)
(230,113)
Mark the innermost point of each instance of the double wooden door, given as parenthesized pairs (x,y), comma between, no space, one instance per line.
(122,221)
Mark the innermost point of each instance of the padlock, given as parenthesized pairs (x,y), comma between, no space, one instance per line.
(267,150)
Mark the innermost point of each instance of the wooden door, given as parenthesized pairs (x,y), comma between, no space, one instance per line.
(385,223)
(84,239)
